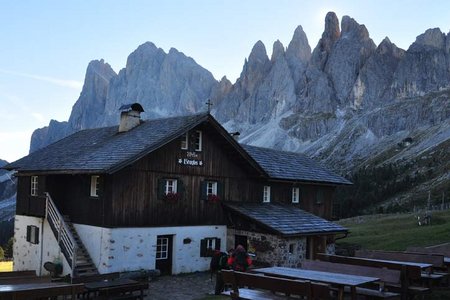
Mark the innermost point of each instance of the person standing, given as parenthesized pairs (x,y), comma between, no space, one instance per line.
(240,260)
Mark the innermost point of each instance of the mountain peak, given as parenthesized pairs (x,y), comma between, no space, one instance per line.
(278,50)
(299,47)
(432,38)
(330,35)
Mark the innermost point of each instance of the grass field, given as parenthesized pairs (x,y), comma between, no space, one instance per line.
(395,232)
(6,266)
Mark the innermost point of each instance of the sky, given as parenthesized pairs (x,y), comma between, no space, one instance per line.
(46,45)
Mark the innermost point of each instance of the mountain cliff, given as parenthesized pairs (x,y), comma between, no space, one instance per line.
(349,103)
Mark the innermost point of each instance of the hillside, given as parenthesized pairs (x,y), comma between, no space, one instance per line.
(394,232)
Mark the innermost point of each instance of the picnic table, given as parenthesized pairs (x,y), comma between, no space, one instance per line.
(119,285)
(423,266)
(339,280)
(27,291)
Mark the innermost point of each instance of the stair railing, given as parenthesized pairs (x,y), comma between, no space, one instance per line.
(65,238)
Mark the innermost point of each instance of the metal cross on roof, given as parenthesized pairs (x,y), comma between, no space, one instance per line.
(209,105)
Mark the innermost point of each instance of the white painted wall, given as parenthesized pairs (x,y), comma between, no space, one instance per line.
(127,249)
(28,256)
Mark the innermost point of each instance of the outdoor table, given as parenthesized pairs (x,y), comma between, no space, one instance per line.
(423,266)
(340,280)
(44,290)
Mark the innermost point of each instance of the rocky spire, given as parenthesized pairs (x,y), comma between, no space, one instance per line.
(278,50)
(348,56)
(93,96)
(299,48)
(329,37)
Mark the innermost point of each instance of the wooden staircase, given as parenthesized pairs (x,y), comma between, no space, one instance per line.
(84,265)
(69,241)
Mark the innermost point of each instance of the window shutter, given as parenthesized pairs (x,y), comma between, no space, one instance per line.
(28,233)
(36,235)
(217,244)
(161,188)
(203,249)
(180,188)
(203,191)
(220,192)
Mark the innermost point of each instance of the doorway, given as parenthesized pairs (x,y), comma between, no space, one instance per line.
(240,240)
(164,254)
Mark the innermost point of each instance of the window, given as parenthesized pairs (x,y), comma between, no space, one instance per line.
(95,186)
(295,195)
(198,140)
(208,245)
(184,141)
(162,248)
(291,248)
(34,186)
(211,188)
(266,194)
(33,234)
(171,186)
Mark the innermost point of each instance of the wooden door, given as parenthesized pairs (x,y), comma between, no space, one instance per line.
(164,254)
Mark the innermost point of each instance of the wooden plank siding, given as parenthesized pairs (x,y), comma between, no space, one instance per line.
(129,197)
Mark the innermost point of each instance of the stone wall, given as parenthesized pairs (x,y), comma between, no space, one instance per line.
(272,250)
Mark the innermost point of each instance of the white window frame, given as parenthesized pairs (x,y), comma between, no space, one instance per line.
(185,141)
(95,185)
(211,188)
(198,142)
(170,186)
(210,243)
(33,236)
(266,194)
(162,248)
(295,195)
(34,185)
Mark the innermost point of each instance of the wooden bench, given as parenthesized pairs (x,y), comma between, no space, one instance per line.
(265,287)
(18,273)
(95,278)
(408,273)
(23,279)
(123,292)
(387,277)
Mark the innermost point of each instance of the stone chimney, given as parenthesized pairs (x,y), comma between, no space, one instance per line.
(130,116)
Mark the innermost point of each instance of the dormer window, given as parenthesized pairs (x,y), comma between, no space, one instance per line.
(184,142)
(34,186)
(266,194)
(295,195)
(198,140)
(95,186)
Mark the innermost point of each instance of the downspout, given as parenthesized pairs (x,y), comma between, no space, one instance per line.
(42,246)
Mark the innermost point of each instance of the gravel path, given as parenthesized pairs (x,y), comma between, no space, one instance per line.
(181,287)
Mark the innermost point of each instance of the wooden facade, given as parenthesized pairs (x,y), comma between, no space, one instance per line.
(129,197)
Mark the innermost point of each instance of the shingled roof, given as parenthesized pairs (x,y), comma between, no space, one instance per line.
(292,166)
(286,220)
(105,149)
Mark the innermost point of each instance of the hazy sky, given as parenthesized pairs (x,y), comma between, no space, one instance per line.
(45,46)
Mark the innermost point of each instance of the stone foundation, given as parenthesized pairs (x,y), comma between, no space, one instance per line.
(272,250)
